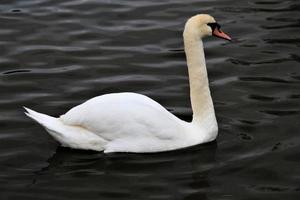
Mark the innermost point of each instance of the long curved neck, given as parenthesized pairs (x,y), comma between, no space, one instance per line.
(201,101)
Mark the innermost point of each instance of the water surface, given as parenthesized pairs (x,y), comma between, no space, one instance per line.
(57,54)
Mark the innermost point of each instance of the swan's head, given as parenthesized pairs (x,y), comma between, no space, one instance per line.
(203,25)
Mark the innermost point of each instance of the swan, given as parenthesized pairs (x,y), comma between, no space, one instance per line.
(131,122)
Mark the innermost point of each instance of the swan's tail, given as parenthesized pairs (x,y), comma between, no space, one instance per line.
(45,120)
(69,136)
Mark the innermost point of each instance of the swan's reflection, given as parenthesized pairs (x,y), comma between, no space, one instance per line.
(172,175)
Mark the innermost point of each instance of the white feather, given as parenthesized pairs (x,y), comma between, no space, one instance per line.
(69,136)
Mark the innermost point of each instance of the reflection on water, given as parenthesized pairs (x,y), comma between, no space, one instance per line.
(180,174)
(57,54)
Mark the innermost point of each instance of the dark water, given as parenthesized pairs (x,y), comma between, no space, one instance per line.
(57,54)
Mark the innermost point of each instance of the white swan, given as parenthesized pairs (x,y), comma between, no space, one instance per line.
(130,122)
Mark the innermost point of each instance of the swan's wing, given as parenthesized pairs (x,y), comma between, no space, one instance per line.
(125,115)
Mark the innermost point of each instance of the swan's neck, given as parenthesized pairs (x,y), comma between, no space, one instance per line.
(202,105)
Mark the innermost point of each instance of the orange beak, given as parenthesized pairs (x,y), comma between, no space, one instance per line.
(220,34)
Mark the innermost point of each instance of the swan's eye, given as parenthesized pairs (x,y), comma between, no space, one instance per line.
(214,25)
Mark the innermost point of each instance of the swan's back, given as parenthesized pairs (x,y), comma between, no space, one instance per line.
(125,116)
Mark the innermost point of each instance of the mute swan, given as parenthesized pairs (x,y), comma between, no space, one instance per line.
(130,122)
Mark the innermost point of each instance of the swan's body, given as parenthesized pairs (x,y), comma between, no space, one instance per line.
(130,122)
(122,122)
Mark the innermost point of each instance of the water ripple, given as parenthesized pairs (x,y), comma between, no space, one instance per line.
(57,54)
